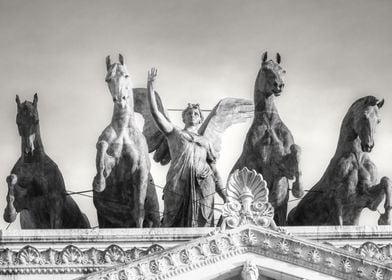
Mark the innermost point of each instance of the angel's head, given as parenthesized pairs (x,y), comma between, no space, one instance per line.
(192,115)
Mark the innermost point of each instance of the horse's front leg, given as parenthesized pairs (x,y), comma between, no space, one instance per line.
(10,211)
(385,185)
(292,170)
(278,197)
(140,187)
(99,183)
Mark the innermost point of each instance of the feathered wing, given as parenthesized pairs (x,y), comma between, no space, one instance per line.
(227,112)
(156,141)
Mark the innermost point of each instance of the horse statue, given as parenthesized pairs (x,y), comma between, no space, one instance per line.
(35,185)
(350,182)
(124,192)
(269,145)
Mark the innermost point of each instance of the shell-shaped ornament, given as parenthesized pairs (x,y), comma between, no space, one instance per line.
(244,184)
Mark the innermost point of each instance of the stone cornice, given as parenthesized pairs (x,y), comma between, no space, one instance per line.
(250,239)
(127,238)
(169,237)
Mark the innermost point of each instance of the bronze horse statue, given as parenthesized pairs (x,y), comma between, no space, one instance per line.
(269,145)
(124,192)
(35,185)
(350,182)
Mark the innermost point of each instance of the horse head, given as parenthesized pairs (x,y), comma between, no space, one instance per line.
(270,77)
(28,124)
(119,83)
(365,119)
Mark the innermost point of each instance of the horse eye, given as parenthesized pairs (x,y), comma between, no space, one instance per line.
(126,76)
(378,121)
(123,97)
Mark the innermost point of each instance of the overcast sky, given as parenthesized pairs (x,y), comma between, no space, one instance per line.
(333,51)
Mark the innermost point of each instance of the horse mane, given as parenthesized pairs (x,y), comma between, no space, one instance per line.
(362,102)
(368,100)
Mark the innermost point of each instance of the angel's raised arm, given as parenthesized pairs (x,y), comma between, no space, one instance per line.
(162,122)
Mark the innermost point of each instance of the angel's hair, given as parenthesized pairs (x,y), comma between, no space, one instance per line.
(190,107)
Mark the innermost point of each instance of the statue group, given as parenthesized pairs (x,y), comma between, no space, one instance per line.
(124,190)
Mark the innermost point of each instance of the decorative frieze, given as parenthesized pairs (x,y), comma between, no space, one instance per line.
(71,259)
(345,260)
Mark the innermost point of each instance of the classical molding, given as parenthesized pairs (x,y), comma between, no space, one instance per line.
(75,259)
(219,246)
(71,259)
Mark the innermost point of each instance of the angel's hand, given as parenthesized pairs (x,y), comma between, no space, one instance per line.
(152,74)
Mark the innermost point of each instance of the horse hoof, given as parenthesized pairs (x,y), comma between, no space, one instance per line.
(298,193)
(12,179)
(99,184)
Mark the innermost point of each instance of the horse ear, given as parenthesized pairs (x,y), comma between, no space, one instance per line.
(121,58)
(35,100)
(278,58)
(108,63)
(264,57)
(380,103)
(17,100)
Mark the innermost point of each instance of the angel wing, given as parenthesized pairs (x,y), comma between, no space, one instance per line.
(228,111)
(156,141)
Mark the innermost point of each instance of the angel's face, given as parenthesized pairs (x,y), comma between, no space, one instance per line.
(192,117)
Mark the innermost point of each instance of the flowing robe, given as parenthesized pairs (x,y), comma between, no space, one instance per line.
(190,182)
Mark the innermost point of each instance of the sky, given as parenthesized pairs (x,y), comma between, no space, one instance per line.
(334,52)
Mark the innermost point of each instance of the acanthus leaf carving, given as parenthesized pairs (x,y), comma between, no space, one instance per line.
(377,274)
(114,254)
(346,266)
(29,255)
(71,254)
(247,201)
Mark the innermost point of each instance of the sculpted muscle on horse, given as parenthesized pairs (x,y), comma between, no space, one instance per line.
(269,147)
(350,182)
(124,192)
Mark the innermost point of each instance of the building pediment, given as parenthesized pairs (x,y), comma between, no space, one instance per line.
(273,252)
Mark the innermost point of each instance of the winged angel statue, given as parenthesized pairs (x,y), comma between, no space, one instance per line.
(192,179)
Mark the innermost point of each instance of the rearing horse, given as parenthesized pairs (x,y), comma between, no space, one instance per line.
(35,184)
(269,146)
(350,182)
(124,193)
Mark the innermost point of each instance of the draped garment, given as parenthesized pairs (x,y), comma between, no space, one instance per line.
(190,183)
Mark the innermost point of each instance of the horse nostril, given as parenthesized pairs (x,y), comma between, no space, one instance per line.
(282,86)
(114,99)
(275,84)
